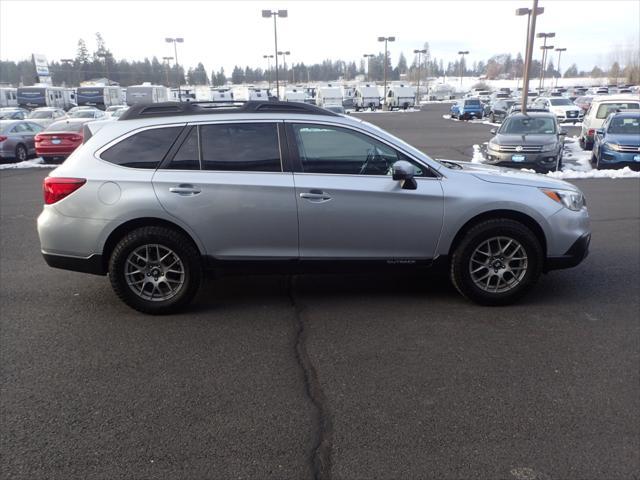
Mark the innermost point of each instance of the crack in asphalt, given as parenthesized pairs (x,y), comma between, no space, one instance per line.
(320,458)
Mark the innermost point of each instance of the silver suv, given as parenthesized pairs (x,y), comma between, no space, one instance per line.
(171,191)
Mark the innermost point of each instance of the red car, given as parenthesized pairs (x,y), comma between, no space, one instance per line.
(60,139)
(583,102)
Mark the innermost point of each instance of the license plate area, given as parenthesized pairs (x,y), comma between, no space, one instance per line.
(56,141)
(517,158)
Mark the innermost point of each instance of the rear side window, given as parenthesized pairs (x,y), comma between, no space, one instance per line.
(605,109)
(244,147)
(142,150)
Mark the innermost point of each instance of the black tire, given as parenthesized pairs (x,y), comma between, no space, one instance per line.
(183,249)
(21,153)
(48,160)
(492,118)
(461,260)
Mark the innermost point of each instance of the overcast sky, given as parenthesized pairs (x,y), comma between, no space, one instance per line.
(221,33)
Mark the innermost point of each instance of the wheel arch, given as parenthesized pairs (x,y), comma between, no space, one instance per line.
(126,227)
(515,215)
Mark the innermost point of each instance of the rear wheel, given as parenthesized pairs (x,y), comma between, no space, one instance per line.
(21,153)
(496,262)
(155,270)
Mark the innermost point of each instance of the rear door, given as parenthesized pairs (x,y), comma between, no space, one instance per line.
(349,207)
(227,182)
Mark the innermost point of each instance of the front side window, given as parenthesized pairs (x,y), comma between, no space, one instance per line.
(145,149)
(188,156)
(240,147)
(326,149)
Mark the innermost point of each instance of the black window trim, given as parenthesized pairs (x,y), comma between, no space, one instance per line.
(297,162)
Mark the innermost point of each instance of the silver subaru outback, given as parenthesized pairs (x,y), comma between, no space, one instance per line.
(172,191)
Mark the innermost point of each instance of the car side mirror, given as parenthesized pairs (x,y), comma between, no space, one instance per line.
(493,131)
(404,172)
(600,131)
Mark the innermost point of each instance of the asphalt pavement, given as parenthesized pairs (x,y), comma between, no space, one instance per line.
(325,376)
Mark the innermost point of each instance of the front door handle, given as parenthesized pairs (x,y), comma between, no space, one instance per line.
(185,190)
(317,196)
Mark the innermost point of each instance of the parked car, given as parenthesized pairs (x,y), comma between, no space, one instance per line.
(114,108)
(169,192)
(617,143)
(467,108)
(78,109)
(598,112)
(13,113)
(562,108)
(116,115)
(16,139)
(94,114)
(583,102)
(517,107)
(498,110)
(60,139)
(45,116)
(533,140)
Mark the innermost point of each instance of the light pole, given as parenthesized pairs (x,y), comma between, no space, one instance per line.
(544,49)
(268,57)
(67,62)
(368,56)
(544,54)
(167,66)
(531,30)
(385,40)
(419,52)
(527,11)
(284,59)
(462,53)
(275,14)
(559,50)
(105,55)
(175,41)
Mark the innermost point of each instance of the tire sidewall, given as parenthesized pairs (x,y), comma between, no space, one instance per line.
(165,237)
(477,235)
(21,148)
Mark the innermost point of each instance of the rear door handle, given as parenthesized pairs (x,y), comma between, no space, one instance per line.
(315,195)
(185,190)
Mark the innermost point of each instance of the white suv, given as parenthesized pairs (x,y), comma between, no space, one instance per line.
(563,108)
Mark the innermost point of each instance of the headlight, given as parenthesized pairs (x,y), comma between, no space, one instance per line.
(493,146)
(570,199)
(550,147)
(612,146)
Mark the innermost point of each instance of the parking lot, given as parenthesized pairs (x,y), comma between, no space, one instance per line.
(327,376)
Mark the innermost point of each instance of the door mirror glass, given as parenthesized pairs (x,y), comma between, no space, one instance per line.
(404,172)
(600,131)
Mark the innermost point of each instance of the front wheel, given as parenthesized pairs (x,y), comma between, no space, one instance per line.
(496,262)
(155,270)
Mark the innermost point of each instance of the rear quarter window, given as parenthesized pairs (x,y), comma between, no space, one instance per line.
(145,149)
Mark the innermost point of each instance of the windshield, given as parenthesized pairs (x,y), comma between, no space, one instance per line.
(472,102)
(607,108)
(41,114)
(9,115)
(528,126)
(625,125)
(83,114)
(64,127)
(560,101)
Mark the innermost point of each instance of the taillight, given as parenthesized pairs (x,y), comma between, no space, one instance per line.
(56,188)
(74,137)
(2,138)
(38,138)
(591,132)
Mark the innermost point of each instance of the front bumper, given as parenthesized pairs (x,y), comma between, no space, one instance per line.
(612,159)
(540,162)
(576,254)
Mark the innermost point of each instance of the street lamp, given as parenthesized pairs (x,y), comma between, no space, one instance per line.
(105,55)
(527,11)
(368,56)
(559,50)
(544,49)
(419,52)
(284,59)
(531,30)
(175,41)
(385,40)
(462,53)
(167,66)
(275,14)
(544,54)
(268,57)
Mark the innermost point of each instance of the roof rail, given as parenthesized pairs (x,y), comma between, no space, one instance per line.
(173,109)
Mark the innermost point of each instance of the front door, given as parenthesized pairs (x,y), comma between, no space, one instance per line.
(349,207)
(227,183)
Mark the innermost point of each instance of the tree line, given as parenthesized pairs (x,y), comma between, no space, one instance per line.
(102,63)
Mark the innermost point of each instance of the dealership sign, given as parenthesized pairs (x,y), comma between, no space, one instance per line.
(42,68)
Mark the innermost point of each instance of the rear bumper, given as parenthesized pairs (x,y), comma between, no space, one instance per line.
(51,151)
(576,254)
(92,264)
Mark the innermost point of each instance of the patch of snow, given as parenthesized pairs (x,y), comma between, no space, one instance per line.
(34,163)
(487,122)
(379,110)
(478,157)
(625,172)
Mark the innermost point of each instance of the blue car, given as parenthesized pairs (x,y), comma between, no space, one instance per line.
(467,108)
(617,143)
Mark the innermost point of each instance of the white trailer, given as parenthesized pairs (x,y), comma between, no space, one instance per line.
(221,95)
(329,96)
(295,95)
(146,93)
(366,96)
(8,97)
(250,93)
(400,96)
